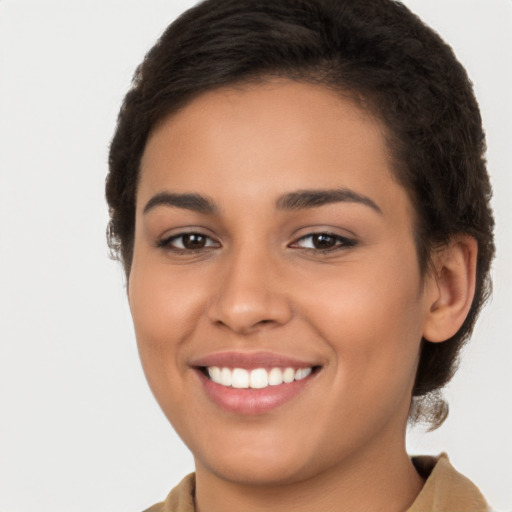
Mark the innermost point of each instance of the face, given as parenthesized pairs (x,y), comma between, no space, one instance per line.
(275,288)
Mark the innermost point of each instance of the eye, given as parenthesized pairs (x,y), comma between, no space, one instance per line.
(324,242)
(188,242)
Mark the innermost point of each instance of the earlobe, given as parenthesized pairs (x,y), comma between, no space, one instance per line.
(452,288)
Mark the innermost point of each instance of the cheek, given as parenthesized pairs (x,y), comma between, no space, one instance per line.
(372,319)
(163,317)
(164,305)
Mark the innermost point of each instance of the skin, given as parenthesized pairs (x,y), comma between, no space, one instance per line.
(358,310)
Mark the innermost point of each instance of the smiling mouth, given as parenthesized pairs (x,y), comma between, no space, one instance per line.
(256,378)
(252,384)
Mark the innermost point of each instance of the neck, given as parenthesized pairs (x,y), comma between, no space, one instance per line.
(379,480)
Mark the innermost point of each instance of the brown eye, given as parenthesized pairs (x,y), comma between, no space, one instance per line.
(188,242)
(323,241)
(193,241)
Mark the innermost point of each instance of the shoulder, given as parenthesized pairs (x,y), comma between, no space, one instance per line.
(445,489)
(180,499)
(158,507)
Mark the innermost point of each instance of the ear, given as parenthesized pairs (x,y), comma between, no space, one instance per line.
(451,288)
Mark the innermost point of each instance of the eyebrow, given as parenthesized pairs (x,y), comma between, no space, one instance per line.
(302,199)
(194,202)
(314,198)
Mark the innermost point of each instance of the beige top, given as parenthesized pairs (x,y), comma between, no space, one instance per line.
(445,490)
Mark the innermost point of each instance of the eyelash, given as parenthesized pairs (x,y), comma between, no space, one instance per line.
(341,242)
(166,243)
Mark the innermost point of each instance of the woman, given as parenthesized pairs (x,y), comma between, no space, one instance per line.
(299,198)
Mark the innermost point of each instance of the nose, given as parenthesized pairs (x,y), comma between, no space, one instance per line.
(250,294)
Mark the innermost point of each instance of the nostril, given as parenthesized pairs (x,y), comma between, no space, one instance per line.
(244,323)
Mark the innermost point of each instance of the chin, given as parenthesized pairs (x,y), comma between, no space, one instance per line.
(260,472)
(269,462)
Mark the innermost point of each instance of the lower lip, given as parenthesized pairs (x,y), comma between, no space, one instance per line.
(252,401)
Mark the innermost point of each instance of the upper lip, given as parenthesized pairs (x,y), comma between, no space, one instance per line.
(251,360)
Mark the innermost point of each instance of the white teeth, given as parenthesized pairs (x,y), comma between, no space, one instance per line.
(302,373)
(289,375)
(225,377)
(275,377)
(215,374)
(240,378)
(258,378)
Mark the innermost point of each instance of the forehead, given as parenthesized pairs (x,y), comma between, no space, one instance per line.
(263,140)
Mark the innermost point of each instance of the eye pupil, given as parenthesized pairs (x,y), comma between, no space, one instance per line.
(323,241)
(194,241)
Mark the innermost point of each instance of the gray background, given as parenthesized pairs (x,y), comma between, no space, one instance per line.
(79,430)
